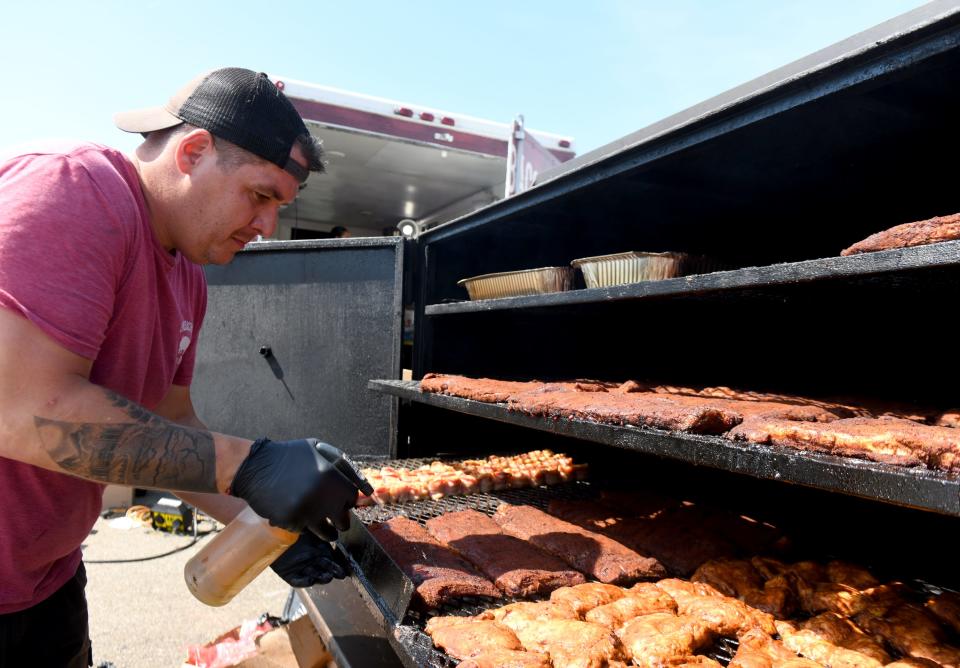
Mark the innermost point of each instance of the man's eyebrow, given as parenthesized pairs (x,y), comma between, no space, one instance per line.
(271,191)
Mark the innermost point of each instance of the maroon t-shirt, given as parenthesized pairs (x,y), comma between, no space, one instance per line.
(79,259)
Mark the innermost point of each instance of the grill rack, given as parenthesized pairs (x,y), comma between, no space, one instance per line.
(408,631)
(407,625)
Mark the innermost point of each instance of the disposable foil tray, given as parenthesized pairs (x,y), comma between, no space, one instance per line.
(518,283)
(602,271)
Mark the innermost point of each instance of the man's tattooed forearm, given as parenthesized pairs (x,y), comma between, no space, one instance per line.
(148,452)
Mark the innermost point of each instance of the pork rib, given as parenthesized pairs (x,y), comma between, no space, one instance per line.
(438,573)
(515,566)
(593,554)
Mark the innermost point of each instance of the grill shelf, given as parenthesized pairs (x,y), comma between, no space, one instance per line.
(389,590)
(895,261)
(914,488)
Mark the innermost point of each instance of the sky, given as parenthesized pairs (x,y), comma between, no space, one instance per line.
(593,70)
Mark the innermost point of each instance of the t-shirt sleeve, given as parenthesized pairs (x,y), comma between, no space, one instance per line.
(63,247)
(184,374)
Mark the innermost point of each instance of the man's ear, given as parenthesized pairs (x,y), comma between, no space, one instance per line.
(192,149)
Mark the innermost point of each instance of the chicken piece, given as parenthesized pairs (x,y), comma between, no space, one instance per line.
(878,600)
(730,577)
(517,616)
(759,650)
(809,645)
(817,597)
(724,615)
(858,577)
(642,599)
(538,610)
(588,596)
(777,597)
(810,571)
(911,631)
(442,621)
(946,608)
(676,587)
(695,661)
(912,662)
(507,658)
(842,632)
(463,641)
(660,638)
(572,644)
(739,579)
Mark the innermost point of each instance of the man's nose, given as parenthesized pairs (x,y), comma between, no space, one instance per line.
(266,221)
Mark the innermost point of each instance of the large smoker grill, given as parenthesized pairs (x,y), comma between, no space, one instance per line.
(772,179)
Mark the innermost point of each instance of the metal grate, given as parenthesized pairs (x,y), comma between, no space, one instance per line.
(484,502)
(418,645)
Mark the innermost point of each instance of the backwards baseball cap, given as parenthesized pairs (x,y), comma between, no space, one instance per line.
(241,106)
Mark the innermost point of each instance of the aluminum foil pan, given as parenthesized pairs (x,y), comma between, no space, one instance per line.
(632,267)
(518,283)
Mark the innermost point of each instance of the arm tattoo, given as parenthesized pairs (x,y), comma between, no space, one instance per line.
(148,452)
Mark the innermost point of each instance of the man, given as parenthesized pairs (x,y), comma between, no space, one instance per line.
(101,301)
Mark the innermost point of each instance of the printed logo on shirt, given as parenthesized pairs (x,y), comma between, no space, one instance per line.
(186,332)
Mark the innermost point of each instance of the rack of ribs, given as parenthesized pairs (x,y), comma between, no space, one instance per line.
(918,233)
(591,553)
(516,567)
(437,572)
(487,390)
(678,538)
(886,440)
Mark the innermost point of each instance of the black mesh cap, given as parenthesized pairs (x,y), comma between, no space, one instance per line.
(239,105)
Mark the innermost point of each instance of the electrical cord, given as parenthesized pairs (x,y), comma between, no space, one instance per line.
(140,514)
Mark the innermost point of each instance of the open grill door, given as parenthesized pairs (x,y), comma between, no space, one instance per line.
(293,332)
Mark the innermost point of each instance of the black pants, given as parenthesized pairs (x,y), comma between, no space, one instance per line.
(51,634)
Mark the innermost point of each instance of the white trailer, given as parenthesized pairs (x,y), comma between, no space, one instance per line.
(390,161)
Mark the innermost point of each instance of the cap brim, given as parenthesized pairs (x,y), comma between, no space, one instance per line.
(145,120)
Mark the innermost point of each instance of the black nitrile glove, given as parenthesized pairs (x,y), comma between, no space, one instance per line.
(309,561)
(299,484)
